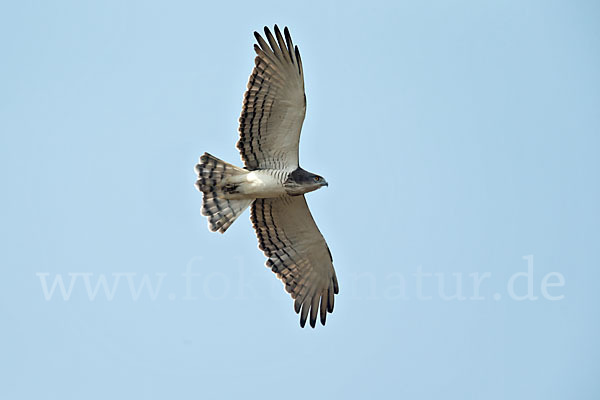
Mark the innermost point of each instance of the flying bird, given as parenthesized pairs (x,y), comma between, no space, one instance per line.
(272,182)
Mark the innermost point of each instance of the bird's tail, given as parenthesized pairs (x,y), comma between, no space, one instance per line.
(213,183)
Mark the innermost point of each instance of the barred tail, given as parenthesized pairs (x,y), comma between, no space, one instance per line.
(212,175)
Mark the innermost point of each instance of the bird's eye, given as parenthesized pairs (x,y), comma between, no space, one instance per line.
(317,178)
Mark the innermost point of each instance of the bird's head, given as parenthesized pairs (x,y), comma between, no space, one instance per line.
(301,181)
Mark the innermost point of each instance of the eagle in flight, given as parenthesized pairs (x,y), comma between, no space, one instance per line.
(272,182)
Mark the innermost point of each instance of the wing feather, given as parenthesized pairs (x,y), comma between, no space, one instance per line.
(290,46)
(274,104)
(297,253)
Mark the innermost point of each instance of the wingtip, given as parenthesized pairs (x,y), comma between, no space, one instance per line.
(323,319)
(302,322)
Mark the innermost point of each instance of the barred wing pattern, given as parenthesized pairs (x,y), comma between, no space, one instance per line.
(274,105)
(297,253)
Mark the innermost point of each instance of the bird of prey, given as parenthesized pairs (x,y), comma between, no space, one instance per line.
(272,182)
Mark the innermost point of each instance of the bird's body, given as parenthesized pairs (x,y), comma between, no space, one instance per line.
(257,184)
(272,182)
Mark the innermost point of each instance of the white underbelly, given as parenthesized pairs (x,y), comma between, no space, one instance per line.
(259,184)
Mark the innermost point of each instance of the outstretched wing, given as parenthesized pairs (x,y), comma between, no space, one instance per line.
(297,253)
(274,105)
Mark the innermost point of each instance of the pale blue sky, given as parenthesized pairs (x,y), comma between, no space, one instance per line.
(458,137)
